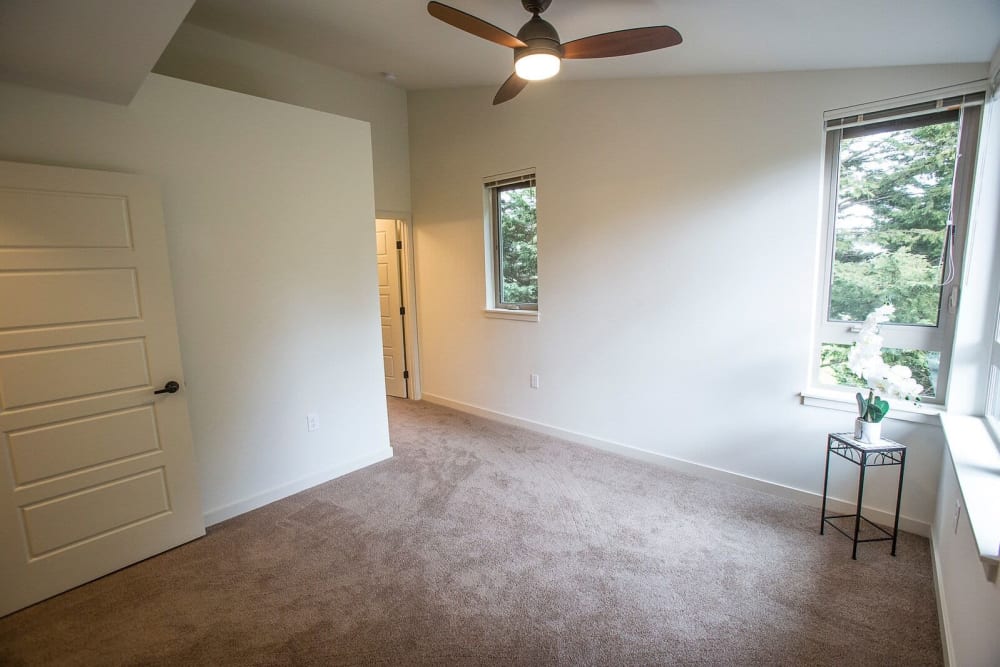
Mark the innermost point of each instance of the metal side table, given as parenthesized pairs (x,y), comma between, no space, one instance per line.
(884,453)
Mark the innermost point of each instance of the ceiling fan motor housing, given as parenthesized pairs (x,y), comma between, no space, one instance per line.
(540,37)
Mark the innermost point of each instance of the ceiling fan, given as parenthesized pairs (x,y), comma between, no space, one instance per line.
(537,50)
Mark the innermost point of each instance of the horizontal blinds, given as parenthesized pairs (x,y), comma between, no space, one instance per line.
(946,105)
(901,123)
(526,179)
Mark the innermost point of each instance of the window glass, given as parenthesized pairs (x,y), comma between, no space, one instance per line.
(993,395)
(893,201)
(993,383)
(518,237)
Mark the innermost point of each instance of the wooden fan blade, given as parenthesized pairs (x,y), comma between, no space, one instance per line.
(473,25)
(510,88)
(622,42)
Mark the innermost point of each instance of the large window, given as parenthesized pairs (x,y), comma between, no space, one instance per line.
(898,187)
(513,238)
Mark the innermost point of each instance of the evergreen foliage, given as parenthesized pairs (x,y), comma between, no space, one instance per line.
(518,246)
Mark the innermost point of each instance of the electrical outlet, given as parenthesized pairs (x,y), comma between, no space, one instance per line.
(312,422)
(534,381)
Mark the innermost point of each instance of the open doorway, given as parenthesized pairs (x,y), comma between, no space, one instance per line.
(398,336)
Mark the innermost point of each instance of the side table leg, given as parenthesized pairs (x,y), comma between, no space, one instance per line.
(857,516)
(899,497)
(826,479)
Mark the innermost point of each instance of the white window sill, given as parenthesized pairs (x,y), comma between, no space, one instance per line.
(977,466)
(510,314)
(845,402)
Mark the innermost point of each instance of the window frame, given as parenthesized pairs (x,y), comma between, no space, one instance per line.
(493,186)
(923,337)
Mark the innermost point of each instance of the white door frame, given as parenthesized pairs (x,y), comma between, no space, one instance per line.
(407,277)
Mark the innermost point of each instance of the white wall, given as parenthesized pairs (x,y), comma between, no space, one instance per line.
(269,213)
(206,56)
(968,602)
(678,227)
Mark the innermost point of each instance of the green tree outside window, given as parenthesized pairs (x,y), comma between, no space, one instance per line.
(518,243)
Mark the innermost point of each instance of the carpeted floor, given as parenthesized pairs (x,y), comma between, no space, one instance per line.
(480,543)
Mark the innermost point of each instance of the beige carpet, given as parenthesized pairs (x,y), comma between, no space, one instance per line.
(480,543)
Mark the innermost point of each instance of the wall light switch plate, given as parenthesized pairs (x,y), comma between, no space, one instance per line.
(312,422)
(534,381)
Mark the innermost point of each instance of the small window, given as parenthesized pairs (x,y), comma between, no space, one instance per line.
(898,187)
(512,235)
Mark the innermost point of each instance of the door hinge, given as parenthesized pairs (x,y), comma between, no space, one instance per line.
(402,310)
(399,245)
(406,375)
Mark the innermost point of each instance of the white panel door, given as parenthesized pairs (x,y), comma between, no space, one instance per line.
(96,471)
(390,304)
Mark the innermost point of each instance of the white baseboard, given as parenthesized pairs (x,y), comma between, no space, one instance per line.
(689,467)
(219,514)
(942,606)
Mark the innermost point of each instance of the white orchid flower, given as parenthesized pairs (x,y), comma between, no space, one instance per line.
(865,360)
(902,372)
(882,313)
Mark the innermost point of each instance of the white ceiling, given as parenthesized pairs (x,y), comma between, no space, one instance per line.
(720,36)
(102,49)
(105,48)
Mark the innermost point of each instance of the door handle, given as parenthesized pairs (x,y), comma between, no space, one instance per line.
(169,388)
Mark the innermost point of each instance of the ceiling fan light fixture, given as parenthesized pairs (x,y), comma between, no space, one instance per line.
(537,66)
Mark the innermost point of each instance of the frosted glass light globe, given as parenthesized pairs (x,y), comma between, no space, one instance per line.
(537,66)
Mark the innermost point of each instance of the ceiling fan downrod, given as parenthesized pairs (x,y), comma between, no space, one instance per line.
(536,6)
